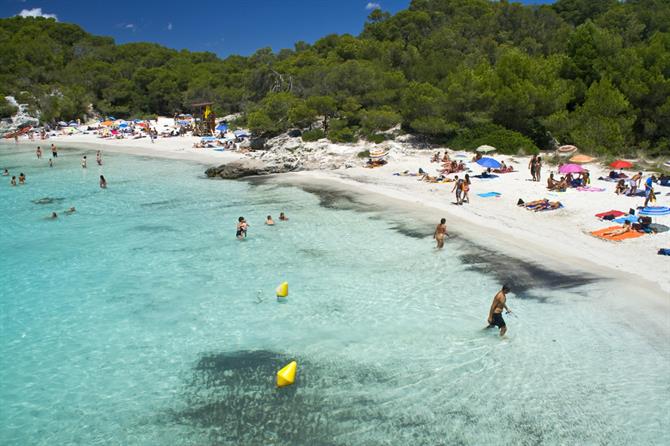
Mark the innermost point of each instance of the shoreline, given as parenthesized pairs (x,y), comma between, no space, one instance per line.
(557,240)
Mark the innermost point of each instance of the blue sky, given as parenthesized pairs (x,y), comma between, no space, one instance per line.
(223,27)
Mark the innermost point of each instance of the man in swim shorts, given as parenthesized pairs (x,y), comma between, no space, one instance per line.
(497,306)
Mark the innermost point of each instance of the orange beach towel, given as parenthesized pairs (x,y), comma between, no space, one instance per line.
(616,238)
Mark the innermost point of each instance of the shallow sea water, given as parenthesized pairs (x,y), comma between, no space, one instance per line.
(141,320)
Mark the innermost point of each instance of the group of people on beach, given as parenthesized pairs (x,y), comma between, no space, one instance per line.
(243,225)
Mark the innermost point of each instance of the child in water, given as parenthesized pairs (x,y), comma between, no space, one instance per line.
(242,227)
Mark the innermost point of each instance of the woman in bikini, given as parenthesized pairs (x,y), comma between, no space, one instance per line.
(440,233)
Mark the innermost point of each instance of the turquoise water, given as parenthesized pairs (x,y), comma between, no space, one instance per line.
(141,320)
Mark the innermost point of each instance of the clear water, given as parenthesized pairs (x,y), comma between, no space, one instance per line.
(141,320)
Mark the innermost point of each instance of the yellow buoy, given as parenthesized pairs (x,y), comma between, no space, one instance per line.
(286,376)
(282,289)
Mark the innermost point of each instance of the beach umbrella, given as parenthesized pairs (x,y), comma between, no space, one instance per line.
(489,162)
(123,125)
(111,118)
(378,153)
(241,133)
(73,123)
(221,128)
(621,164)
(107,123)
(485,149)
(570,168)
(566,150)
(582,159)
(62,124)
(655,211)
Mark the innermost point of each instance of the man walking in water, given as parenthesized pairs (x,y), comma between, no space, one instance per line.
(497,306)
(440,233)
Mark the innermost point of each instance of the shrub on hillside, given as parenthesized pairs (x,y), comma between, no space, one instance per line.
(313,135)
(506,141)
(346,134)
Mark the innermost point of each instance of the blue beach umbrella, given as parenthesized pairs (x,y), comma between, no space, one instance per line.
(221,128)
(123,125)
(489,162)
(655,211)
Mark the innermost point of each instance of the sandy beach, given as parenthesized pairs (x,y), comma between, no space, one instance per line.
(557,239)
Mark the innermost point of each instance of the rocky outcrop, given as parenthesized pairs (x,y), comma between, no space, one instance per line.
(246,168)
(20,120)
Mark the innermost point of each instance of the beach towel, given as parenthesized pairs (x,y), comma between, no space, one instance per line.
(590,189)
(664,252)
(629,217)
(600,233)
(608,179)
(490,194)
(612,213)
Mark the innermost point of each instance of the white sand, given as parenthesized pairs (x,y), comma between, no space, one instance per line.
(557,239)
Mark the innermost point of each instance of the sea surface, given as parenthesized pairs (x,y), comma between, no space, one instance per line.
(141,320)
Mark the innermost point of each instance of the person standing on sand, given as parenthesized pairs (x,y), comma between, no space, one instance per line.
(531,166)
(499,304)
(649,190)
(440,233)
(458,188)
(466,189)
(39,152)
(54,151)
(538,168)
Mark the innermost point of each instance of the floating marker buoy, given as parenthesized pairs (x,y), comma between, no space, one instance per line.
(282,289)
(286,376)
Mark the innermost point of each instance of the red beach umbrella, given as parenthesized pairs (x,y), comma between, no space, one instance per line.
(621,164)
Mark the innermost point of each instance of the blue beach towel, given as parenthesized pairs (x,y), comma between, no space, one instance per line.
(490,194)
(664,252)
(629,217)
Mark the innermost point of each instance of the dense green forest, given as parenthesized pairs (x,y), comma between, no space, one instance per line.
(594,73)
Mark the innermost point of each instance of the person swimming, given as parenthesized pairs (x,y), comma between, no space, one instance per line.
(103,182)
(269,221)
(98,158)
(83,162)
(499,304)
(5,173)
(53,216)
(22,178)
(71,211)
(51,162)
(13,181)
(242,227)
(39,152)
(440,233)
(283,217)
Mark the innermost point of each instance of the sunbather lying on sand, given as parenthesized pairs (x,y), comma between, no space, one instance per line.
(504,168)
(622,230)
(540,205)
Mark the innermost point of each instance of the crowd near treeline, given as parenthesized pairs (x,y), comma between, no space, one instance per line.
(593,73)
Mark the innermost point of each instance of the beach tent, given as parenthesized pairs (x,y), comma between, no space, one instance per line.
(485,149)
(241,133)
(489,163)
(571,168)
(581,159)
(621,164)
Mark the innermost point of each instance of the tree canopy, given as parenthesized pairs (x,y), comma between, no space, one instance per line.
(595,73)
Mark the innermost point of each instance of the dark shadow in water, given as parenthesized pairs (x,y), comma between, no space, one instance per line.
(154,228)
(48,200)
(164,203)
(232,397)
(523,276)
